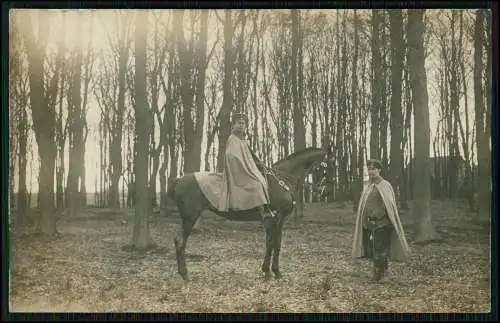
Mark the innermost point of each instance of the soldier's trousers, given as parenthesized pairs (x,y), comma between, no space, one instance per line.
(379,246)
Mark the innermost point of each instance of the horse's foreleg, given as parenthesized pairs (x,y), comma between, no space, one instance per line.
(277,248)
(269,250)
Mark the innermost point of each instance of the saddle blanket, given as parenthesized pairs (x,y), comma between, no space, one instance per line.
(211,184)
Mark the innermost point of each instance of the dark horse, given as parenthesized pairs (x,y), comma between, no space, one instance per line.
(282,178)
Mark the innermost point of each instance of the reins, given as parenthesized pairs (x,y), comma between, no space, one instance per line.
(281,176)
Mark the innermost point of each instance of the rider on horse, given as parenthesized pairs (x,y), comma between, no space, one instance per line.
(247,187)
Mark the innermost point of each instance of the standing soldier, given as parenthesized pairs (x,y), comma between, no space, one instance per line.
(379,234)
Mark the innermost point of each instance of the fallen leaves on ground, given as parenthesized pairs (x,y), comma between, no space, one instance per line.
(89,268)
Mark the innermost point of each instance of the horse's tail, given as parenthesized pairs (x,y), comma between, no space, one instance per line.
(170,204)
(171,184)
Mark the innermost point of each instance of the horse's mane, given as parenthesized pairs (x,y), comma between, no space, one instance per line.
(295,154)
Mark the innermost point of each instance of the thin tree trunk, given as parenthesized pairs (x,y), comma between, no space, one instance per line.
(199,122)
(75,130)
(356,175)
(384,112)
(376,86)
(115,152)
(22,198)
(227,100)
(482,131)
(61,133)
(298,117)
(454,114)
(396,122)
(141,238)
(408,104)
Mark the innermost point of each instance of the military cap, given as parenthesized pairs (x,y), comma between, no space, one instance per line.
(375,163)
(239,116)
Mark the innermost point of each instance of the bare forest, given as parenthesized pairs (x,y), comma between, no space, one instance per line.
(106,107)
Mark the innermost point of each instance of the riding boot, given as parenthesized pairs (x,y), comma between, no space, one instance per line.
(377,274)
(381,249)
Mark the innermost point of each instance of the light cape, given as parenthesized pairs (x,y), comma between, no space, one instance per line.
(399,250)
(244,185)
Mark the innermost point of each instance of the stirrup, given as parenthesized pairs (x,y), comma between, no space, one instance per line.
(268,214)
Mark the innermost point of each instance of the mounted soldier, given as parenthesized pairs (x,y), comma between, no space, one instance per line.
(245,186)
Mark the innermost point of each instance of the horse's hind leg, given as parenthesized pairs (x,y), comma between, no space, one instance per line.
(180,241)
(269,250)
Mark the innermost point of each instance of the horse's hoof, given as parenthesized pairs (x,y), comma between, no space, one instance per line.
(196,231)
(277,274)
(184,276)
(267,276)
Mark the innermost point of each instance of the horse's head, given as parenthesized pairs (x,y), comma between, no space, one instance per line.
(285,174)
(302,162)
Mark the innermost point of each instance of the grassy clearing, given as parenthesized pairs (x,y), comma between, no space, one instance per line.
(88,269)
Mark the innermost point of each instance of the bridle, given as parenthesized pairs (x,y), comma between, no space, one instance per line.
(283,178)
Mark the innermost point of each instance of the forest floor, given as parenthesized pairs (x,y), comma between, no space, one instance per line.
(88,269)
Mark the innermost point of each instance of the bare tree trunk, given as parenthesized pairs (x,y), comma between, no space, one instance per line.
(408,105)
(171,92)
(454,114)
(18,121)
(115,146)
(75,130)
(357,176)
(482,114)
(167,127)
(22,132)
(173,142)
(101,163)
(15,74)
(87,78)
(343,122)
(468,184)
(421,207)
(186,88)
(193,107)
(201,63)
(141,238)
(154,79)
(43,115)
(467,188)
(376,86)
(227,100)
(281,67)
(61,133)
(298,117)
(397,57)
(60,163)
(331,129)
(256,37)
(130,162)
(383,80)
(163,180)
(241,88)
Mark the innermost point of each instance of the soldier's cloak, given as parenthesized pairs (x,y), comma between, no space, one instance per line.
(399,250)
(244,187)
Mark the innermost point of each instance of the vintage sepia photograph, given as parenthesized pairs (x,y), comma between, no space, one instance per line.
(249,161)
